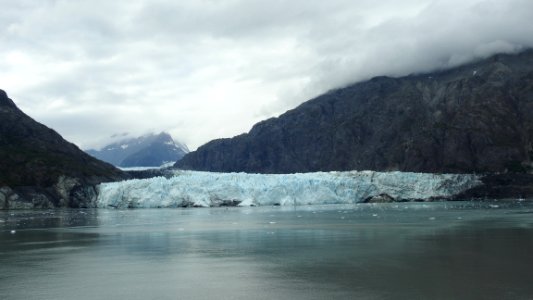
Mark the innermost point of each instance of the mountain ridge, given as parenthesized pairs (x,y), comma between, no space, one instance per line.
(472,118)
(38,168)
(149,150)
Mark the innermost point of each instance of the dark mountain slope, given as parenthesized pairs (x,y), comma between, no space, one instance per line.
(475,118)
(38,168)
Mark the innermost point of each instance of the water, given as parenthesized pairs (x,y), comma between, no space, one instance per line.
(386,251)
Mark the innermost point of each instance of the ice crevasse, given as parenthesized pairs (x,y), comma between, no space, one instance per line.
(204,189)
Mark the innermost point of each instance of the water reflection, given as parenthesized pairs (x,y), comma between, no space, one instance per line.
(419,251)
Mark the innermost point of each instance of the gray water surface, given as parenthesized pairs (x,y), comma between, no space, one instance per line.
(457,250)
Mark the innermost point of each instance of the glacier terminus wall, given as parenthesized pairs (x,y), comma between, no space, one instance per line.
(207,189)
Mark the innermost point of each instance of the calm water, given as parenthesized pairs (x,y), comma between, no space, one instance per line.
(386,251)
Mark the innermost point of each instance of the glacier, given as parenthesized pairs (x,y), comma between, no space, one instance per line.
(208,189)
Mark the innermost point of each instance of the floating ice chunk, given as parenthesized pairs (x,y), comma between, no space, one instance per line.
(247,202)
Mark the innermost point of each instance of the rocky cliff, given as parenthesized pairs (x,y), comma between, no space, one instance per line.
(474,118)
(38,168)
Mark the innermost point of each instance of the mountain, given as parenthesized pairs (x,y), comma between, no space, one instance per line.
(151,150)
(473,118)
(38,168)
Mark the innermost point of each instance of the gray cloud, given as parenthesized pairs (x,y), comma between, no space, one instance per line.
(209,69)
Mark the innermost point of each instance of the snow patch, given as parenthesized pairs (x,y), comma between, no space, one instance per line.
(182,146)
(191,188)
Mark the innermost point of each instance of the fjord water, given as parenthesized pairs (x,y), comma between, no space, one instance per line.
(459,250)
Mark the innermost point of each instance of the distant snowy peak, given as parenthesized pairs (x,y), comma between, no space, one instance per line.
(182,146)
(176,144)
(151,150)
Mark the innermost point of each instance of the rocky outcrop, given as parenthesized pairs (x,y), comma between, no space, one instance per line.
(381,198)
(475,118)
(39,169)
(500,186)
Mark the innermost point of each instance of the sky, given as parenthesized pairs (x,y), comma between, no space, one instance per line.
(206,69)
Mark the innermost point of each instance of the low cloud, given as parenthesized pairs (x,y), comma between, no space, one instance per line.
(209,69)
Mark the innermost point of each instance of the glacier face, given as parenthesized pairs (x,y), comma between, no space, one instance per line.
(192,188)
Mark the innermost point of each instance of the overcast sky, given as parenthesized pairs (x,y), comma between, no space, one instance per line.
(205,69)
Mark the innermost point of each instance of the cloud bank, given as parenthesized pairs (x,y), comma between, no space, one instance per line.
(205,69)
